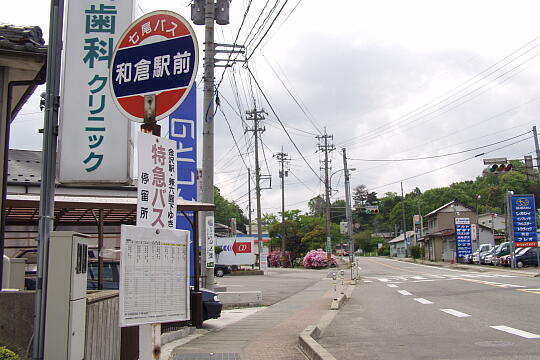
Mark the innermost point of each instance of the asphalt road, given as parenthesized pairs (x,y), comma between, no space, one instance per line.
(405,311)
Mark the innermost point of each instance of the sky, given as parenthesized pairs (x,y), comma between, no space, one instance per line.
(388,79)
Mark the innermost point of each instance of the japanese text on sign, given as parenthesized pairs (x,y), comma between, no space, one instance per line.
(524,220)
(463,237)
(156,205)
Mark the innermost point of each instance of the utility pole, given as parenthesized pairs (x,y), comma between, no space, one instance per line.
(205,12)
(348,212)
(324,146)
(404,221)
(282,158)
(537,148)
(256,116)
(249,201)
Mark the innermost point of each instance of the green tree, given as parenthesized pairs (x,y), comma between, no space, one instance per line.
(225,210)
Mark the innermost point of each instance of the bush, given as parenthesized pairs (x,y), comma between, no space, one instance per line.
(417,251)
(6,354)
(279,258)
(316,259)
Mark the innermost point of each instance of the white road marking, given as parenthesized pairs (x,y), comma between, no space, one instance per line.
(383,279)
(418,277)
(392,285)
(455,312)
(367,281)
(517,332)
(423,301)
(427,280)
(532,291)
(404,292)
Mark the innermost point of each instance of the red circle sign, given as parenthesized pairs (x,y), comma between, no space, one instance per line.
(158,54)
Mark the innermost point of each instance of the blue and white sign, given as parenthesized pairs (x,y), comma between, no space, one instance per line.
(524,220)
(157,54)
(183,130)
(463,237)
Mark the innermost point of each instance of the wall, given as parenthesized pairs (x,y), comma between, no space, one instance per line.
(16,320)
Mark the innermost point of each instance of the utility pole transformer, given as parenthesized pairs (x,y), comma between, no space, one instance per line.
(326,147)
(282,158)
(256,116)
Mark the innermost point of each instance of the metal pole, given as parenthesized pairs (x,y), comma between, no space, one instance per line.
(249,200)
(537,147)
(48,171)
(101,233)
(510,227)
(258,184)
(281,158)
(404,221)
(327,201)
(348,212)
(208,131)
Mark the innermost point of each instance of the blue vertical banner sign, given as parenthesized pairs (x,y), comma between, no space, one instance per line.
(463,237)
(183,130)
(524,221)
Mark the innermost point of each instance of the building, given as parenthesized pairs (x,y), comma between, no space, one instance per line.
(398,247)
(440,240)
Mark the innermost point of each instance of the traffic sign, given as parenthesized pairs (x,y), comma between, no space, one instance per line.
(157,55)
(524,220)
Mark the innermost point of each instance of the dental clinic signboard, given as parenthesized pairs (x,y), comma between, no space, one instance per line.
(463,237)
(524,220)
(94,136)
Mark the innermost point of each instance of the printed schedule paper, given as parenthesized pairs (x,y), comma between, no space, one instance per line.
(154,275)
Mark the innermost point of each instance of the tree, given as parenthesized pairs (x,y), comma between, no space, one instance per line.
(225,210)
(316,206)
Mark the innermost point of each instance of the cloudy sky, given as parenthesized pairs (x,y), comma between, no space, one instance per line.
(389,79)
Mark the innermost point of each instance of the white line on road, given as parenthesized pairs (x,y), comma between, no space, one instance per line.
(418,277)
(404,292)
(383,279)
(517,332)
(455,313)
(423,301)
(367,281)
(391,285)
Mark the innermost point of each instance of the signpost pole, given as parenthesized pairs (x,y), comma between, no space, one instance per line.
(510,222)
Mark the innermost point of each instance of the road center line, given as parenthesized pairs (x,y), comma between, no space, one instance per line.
(423,301)
(392,285)
(517,332)
(455,312)
(404,292)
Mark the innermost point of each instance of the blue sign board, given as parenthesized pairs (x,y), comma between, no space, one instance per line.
(524,220)
(183,130)
(463,237)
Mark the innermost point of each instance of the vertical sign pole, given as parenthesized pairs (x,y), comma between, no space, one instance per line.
(48,171)
(510,226)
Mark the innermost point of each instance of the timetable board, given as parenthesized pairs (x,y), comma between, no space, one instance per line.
(154,275)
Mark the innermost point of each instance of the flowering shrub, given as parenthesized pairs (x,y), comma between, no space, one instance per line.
(274,258)
(317,259)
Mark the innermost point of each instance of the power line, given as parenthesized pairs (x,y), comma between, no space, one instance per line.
(449,165)
(281,123)
(234,139)
(442,155)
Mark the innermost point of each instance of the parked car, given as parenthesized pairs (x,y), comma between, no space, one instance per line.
(220,270)
(484,248)
(485,254)
(502,250)
(488,259)
(527,257)
(506,260)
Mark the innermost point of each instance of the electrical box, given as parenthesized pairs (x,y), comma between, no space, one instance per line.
(66,296)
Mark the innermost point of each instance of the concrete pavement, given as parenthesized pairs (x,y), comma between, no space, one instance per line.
(296,298)
(405,311)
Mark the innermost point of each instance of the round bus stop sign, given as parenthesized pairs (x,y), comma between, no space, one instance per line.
(157,55)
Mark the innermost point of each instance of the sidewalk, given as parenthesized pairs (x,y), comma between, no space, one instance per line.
(268,334)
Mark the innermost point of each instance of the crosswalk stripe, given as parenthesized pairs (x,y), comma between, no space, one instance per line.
(517,332)
(423,301)
(392,285)
(455,313)
(404,292)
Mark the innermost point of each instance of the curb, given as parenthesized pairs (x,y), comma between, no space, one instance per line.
(307,340)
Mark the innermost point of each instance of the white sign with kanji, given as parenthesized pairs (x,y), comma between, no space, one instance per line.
(94,137)
(156,188)
(210,242)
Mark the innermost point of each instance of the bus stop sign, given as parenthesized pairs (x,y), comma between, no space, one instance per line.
(157,55)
